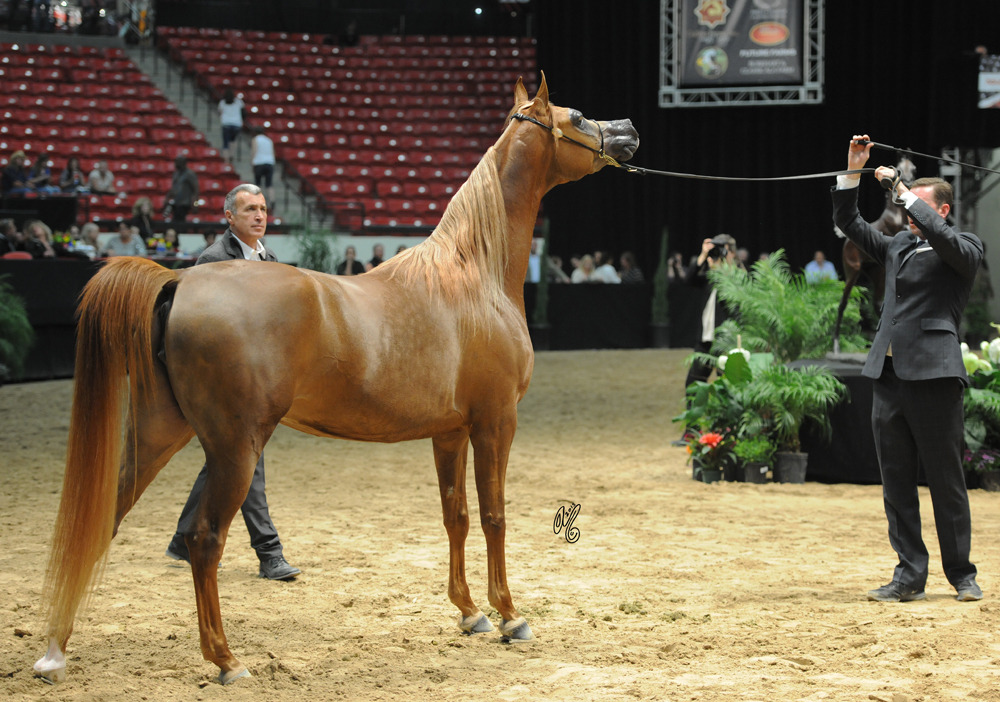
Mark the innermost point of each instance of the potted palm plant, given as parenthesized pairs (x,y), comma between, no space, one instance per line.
(780,313)
(16,333)
(780,399)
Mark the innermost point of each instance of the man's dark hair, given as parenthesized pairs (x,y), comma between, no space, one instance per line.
(943,194)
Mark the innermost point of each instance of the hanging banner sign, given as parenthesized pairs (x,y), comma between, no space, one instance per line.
(740,42)
(989,81)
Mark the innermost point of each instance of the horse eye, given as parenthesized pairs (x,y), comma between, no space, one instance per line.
(576,118)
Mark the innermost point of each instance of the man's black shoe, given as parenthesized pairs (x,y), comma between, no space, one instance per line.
(177,554)
(277,568)
(896,592)
(968,591)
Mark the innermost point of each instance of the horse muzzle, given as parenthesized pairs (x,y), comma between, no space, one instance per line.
(621,140)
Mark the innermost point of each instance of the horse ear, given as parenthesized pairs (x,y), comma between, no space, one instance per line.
(543,92)
(520,93)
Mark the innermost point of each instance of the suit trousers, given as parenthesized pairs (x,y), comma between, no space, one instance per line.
(919,423)
(263,536)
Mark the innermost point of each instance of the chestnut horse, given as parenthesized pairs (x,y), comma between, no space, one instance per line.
(431,344)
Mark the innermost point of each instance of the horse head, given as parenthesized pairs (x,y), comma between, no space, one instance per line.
(580,146)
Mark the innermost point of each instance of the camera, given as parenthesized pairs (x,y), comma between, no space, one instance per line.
(719,251)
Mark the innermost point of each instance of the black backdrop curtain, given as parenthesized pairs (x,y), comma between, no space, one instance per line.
(903,72)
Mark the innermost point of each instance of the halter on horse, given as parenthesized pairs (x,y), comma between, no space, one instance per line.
(431,344)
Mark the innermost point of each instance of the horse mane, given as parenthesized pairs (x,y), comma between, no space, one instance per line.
(465,256)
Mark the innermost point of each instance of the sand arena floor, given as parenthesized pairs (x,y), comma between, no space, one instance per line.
(675,590)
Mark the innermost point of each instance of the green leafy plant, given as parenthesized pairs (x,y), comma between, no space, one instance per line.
(780,399)
(981,405)
(779,312)
(316,250)
(713,449)
(16,333)
(755,449)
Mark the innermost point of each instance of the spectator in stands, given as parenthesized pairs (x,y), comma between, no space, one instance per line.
(630,273)
(231,118)
(378,252)
(127,243)
(172,241)
(585,272)
(40,176)
(38,239)
(14,179)
(73,179)
(209,240)
(820,269)
(676,272)
(142,217)
(101,180)
(262,158)
(556,272)
(350,265)
(87,243)
(604,268)
(401,248)
(183,190)
(10,238)
(349,37)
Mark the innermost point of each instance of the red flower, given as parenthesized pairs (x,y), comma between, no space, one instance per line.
(710,439)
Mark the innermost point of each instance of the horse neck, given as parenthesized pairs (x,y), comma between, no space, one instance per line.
(523,186)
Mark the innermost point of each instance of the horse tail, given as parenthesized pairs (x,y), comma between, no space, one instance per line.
(113,351)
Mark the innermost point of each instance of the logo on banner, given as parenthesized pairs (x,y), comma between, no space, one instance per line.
(712,62)
(711,13)
(769,33)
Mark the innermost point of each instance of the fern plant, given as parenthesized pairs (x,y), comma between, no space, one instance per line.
(779,399)
(779,312)
(16,333)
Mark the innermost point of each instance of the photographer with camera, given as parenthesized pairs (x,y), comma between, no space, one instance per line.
(718,250)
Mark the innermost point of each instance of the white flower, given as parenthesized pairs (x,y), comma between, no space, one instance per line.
(722,362)
(993,351)
(965,348)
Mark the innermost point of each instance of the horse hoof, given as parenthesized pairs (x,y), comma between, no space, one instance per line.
(227,677)
(515,630)
(475,624)
(51,667)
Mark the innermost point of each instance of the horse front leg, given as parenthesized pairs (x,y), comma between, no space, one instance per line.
(491,449)
(226,486)
(450,457)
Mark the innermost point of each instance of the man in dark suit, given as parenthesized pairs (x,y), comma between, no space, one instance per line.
(919,378)
(246,212)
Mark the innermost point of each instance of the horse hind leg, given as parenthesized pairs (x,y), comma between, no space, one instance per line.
(157,430)
(229,472)
(450,457)
(491,450)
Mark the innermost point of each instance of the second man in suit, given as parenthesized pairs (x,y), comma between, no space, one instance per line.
(246,212)
(919,379)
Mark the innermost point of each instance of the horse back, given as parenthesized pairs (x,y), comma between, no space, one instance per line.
(352,357)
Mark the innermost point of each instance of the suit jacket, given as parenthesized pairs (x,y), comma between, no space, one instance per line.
(227,248)
(927,283)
